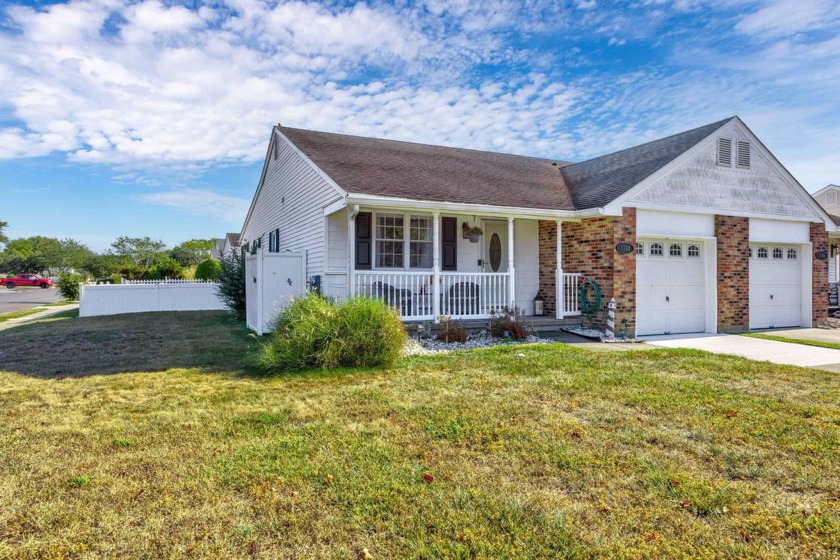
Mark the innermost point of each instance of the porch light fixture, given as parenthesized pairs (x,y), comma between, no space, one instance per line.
(539,305)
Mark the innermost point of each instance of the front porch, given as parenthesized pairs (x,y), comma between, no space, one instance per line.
(427,266)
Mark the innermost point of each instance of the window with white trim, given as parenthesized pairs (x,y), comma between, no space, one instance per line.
(762,252)
(693,251)
(792,254)
(397,246)
(390,235)
(420,244)
(675,250)
(655,250)
(640,249)
(777,253)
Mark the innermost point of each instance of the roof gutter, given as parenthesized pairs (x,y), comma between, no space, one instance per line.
(467,208)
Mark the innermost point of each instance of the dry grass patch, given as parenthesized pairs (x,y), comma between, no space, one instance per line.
(560,453)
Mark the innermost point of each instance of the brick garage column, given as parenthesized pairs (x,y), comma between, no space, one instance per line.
(548,264)
(624,271)
(819,274)
(733,273)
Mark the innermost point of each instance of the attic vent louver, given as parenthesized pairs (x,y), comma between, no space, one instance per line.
(724,152)
(743,154)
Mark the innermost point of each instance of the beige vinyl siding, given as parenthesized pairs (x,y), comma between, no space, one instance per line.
(292,198)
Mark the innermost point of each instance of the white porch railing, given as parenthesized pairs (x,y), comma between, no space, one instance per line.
(474,295)
(410,293)
(463,295)
(567,294)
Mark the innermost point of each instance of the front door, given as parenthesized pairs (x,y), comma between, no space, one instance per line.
(495,240)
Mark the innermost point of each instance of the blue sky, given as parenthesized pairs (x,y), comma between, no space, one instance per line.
(152,118)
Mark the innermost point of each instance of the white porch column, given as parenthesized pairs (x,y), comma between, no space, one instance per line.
(559,287)
(351,238)
(511,271)
(435,291)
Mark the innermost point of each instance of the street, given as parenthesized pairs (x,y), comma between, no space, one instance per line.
(22,298)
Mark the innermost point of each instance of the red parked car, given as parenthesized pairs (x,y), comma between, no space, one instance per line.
(28,280)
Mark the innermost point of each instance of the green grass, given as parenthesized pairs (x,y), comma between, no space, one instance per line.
(145,437)
(817,343)
(19,313)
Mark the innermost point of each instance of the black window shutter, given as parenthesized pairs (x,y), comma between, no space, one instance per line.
(449,244)
(364,241)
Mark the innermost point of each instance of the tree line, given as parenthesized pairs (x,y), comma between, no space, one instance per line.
(128,257)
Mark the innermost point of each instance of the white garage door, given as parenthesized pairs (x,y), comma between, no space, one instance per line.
(670,287)
(775,286)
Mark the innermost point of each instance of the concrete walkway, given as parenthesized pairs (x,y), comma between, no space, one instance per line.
(754,349)
(47,312)
(819,335)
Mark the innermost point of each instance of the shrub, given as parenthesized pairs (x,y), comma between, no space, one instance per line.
(509,321)
(451,331)
(68,286)
(167,267)
(231,280)
(312,332)
(210,269)
(371,333)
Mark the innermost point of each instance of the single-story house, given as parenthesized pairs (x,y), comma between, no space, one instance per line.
(702,231)
(231,243)
(217,249)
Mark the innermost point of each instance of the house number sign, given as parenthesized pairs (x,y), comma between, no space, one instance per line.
(624,248)
(821,255)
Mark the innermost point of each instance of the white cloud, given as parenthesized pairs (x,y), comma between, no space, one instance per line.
(783,18)
(159,85)
(200,202)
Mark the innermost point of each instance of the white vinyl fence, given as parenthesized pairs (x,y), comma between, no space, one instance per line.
(113,299)
(271,280)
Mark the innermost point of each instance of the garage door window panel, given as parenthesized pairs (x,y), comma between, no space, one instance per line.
(655,250)
(778,253)
(675,250)
(792,254)
(762,252)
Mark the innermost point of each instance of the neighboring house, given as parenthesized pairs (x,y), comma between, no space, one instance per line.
(231,243)
(218,249)
(703,231)
(829,198)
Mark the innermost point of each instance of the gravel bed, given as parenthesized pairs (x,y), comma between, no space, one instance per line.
(428,346)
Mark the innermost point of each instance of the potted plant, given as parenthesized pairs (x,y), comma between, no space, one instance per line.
(473,233)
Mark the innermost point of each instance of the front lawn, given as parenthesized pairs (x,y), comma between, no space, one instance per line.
(145,436)
(817,343)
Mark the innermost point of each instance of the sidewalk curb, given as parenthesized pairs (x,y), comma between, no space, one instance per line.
(54,310)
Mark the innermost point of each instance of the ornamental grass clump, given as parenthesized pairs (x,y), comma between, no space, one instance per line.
(314,333)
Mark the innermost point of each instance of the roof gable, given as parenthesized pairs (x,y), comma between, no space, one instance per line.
(696,182)
(597,182)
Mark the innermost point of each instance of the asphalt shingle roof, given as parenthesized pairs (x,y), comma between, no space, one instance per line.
(424,172)
(599,181)
(391,168)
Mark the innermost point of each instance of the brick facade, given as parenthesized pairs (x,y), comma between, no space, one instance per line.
(733,273)
(819,274)
(589,248)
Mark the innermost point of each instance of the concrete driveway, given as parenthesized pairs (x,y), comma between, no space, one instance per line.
(755,348)
(24,298)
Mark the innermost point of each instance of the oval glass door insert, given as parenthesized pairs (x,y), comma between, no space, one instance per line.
(495,252)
